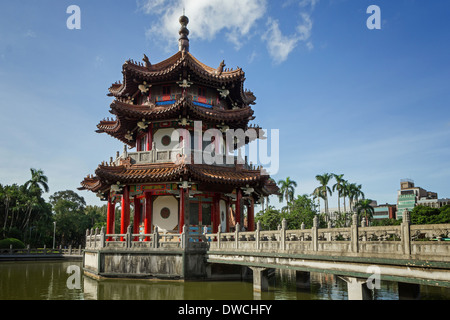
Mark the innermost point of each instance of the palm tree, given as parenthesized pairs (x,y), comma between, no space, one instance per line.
(287,190)
(324,179)
(317,194)
(354,192)
(364,206)
(338,186)
(38,181)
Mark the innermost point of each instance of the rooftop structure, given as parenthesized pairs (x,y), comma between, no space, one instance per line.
(162,112)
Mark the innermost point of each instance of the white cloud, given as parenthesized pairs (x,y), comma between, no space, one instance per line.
(279,45)
(238,19)
(207,18)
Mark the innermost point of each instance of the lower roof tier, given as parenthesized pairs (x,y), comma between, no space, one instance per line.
(129,116)
(232,177)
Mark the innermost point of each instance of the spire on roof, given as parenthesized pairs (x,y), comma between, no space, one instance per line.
(183,43)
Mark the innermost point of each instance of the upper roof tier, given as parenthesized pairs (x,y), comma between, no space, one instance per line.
(184,70)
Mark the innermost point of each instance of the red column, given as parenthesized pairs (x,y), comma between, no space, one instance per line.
(137,216)
(148,215)
(251,215)
(238,205)
(110,217)
(182,200)
(125,217)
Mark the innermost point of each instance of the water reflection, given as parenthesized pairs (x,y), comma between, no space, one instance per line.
(48,281)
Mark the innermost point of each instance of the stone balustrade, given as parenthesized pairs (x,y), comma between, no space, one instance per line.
(421,242)
(98,239)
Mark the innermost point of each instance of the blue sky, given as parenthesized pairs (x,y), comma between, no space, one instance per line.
(370,104)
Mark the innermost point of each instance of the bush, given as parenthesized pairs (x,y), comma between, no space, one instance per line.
(16,243)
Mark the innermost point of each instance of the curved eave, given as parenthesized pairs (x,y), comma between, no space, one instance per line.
(170,69)
(154,173)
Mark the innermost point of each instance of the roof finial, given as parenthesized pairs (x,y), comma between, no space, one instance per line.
(183,43)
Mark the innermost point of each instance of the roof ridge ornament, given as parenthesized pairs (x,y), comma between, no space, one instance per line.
(183,42)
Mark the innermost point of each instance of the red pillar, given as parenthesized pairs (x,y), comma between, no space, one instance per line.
(110,217)
(182,202)
(251,215)
(125,217)
(148,215)
(238,205)
(137,216)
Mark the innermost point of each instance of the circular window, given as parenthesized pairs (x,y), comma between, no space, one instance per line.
(166,140)
(165,213)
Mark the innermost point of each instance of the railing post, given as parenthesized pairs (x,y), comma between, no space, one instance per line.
(219,231)
(283,234)
(102,237)
(45,249)
(87,237)
(70,250)
(10,249)
(129,236)
(258,230)
(184,240)
(236,235)
(315,234)
(155,238)
(95,237)
(354,236)
(406,232)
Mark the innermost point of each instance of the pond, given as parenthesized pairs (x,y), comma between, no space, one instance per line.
(51,281)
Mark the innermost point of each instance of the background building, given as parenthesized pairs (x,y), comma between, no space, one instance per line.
(409,196)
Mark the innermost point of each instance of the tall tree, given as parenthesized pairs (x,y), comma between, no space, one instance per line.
(339,187)
(324,179)
(38,181)
(287,189)
(364,206)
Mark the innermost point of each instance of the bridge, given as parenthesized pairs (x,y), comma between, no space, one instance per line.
(408,254)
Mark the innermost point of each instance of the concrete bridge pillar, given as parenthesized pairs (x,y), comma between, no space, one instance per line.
(357,288)
(408,291)
(260,279)
(303,280)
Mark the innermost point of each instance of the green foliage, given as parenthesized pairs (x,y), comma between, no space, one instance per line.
(16,243)
(365,209)
(73,217)
(301,209)
(386,222)
(25,215)
(427,215)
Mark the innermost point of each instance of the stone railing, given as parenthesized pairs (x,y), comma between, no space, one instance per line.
(404,241)
(98,239)
(69,251)
(174,155)
(152,156)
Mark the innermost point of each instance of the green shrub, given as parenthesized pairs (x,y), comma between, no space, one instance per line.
(16,243)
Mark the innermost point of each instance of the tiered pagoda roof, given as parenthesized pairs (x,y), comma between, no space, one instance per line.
(126,173)
(134,108)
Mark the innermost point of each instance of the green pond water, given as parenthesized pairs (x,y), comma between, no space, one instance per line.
(51,281)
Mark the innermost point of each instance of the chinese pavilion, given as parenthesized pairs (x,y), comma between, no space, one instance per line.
(159,178)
